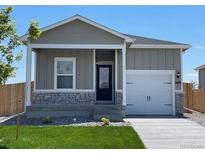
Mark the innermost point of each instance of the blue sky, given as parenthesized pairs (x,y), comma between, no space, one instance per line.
(185,24)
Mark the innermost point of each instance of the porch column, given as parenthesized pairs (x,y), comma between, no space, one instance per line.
(94,70)
(28,75)
(124,74)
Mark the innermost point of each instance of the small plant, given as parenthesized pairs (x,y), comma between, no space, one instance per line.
(46,120)
(105,121)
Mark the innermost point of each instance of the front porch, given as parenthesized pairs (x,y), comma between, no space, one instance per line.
(88,95)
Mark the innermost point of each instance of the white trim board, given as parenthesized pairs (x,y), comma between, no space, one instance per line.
(181,73)
(160,46)
(116,71)
(77,46)
(94,69)
(28,76)
(62,91)
(35,68)
(129,71)
(124,75)
(83,19)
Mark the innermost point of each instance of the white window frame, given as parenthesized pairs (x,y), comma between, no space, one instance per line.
(72,59)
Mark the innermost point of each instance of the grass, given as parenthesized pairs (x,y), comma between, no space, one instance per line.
(69,137)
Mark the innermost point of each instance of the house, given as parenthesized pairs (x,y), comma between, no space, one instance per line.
(201,70)
(83,68)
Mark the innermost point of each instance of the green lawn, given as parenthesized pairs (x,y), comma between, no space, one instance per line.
(67,137)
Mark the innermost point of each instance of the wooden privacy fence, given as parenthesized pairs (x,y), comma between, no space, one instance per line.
(194,98)
(12,98)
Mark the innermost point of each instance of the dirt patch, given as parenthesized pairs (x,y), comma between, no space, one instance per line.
(197,117)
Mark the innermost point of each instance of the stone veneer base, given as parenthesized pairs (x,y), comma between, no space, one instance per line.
(63,98)
(82,100)
(73,104)
(179,104)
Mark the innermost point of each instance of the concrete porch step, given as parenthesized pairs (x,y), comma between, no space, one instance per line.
(111,117)
(59,107)
(113,113)
(107,106)
(96,112)
(42,114)
(59,111)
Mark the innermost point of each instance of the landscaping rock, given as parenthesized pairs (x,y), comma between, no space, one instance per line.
(78,121)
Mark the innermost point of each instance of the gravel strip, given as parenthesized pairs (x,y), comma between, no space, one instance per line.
(197,117)
(80,121)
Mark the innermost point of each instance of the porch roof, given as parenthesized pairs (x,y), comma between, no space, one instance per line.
(143,42)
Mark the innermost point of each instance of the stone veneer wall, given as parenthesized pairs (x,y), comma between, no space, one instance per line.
(179,103)
(118,98)
(63,98)
(88,98)
(118,102)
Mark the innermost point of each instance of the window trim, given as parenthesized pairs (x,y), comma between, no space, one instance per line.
(72,59)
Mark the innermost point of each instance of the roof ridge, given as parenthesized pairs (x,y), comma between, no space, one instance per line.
(154,39)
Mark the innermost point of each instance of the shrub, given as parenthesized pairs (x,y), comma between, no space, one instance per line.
(46,120)
(105,121)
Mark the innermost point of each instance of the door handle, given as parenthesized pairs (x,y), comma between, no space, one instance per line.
(129,82)
(148,98)
(168,104)
(130,104)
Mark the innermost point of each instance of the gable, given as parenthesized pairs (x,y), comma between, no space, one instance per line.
(77,32)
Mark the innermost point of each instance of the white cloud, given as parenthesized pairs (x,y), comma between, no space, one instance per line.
(191,74)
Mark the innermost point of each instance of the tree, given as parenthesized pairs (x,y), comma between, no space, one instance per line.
(194,84)
(9,41)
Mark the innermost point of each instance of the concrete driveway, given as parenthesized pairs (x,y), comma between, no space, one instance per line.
(169,133)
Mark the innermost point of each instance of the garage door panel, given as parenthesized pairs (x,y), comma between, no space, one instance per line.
(157,87)
(147,110)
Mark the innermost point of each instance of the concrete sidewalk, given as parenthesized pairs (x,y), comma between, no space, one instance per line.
(2,119)
(169,133)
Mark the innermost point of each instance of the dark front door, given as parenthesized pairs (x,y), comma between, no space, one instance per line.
(104,82)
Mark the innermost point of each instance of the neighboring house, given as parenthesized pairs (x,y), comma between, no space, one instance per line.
(201,70)
(83,68)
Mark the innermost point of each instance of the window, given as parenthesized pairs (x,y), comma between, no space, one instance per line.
(104,77)
(64,73)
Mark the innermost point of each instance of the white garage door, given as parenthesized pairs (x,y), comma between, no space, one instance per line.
(149,93)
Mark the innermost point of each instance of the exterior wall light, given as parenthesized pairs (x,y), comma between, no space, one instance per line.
(178,75)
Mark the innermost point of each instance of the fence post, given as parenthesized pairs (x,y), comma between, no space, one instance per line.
(203,100)
(202,103)
(191,96)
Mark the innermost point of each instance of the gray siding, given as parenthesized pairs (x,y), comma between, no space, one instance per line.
(45,67)
(105,55)
(77,32)
(155,59)
(202,78)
